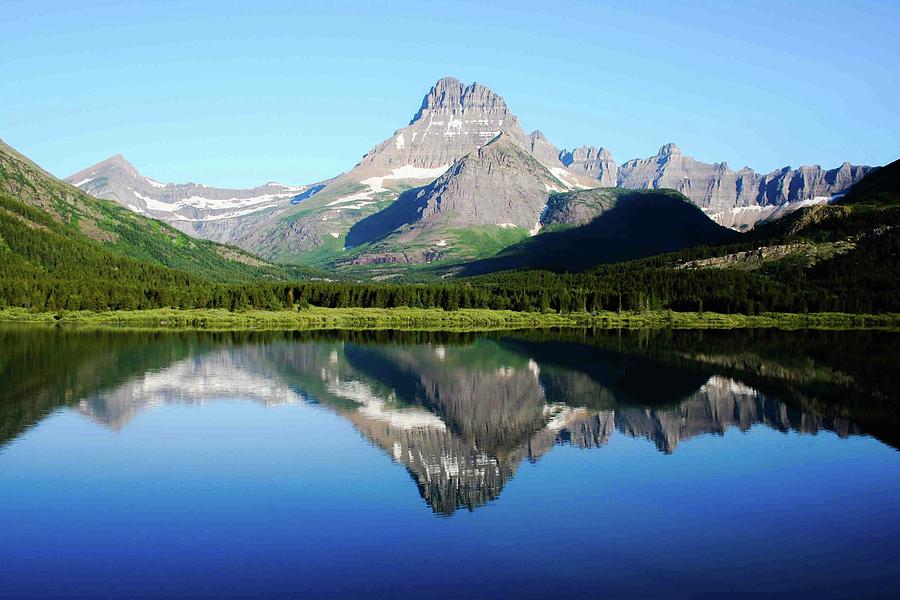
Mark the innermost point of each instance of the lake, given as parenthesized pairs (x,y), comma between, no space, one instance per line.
(526,464)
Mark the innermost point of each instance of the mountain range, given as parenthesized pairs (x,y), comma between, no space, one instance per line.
(461,182)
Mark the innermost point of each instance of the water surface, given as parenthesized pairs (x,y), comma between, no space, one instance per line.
(523,464)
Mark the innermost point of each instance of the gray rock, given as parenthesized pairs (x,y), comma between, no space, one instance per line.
(596,162)
(737,199)
(453,120)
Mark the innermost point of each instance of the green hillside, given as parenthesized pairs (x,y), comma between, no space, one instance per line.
(122,231)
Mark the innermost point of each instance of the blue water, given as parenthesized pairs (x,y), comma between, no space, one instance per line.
(270,467)
(307,193)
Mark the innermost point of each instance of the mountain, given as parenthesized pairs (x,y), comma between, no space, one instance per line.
(454,119)
(499,189)
(738,199)
(585,228)
(595,162)
(184,205)
(880,188)
(53,223)
(309,224)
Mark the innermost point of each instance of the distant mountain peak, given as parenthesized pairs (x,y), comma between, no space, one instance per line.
(117,160)
(669,149)
(595,162)
(116,164)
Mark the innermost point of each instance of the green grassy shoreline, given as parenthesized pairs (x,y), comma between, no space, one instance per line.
(434,318)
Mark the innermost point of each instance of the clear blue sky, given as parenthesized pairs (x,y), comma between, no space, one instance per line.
(243,93)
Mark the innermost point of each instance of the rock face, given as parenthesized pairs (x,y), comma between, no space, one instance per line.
(186,205)
(596,162)
(737,199)
(498,184)
(453,120)
(495,185)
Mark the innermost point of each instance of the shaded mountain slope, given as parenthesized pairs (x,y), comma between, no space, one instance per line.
(591,227)
(879,189)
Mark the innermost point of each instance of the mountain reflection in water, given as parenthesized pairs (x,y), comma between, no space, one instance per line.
(461,412)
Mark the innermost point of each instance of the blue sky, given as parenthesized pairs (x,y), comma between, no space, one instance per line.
(242,93)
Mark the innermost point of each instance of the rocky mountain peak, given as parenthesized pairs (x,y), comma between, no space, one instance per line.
(453,120)
(451,96)
(584,153)
(669,149)
(115,166)
(596,162)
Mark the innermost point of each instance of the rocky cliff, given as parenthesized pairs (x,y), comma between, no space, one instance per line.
(453,120)
(737,199)
(595,162)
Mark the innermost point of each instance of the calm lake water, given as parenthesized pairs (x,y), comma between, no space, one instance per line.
(515,464)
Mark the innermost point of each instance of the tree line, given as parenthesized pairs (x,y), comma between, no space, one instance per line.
(47,267)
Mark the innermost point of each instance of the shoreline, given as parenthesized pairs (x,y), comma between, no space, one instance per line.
(438,319)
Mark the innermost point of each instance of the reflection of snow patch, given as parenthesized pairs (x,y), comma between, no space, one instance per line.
(727,384)
(561,414)
(440,352)
(376,408)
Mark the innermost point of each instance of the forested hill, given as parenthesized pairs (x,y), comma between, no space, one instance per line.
(120,230)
